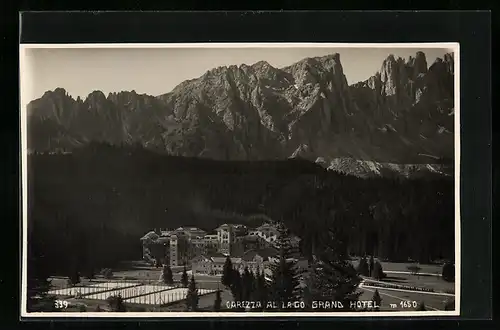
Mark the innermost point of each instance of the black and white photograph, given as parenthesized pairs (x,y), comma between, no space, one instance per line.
(207,180)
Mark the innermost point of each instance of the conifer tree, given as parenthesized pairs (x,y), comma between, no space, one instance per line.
(184,278)
(307,290)
(377,299)
(377,271)
(332,277)
(167,275)
(255,285)
(192,297)
(371,264)
(217,302)
(448,273)
(227,273)
(261,289)
(284,286)
(236,285)
(363,267)
(247,287)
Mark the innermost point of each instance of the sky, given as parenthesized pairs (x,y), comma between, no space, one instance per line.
(157,71)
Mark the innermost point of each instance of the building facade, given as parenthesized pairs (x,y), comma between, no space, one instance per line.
(164,247)
(190,232)
(226,236)
(255,260)
(212,265)
(184,244)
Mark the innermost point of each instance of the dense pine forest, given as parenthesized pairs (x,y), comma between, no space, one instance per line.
(88,209)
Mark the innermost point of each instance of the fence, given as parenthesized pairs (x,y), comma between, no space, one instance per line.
(165,297)
(137,292)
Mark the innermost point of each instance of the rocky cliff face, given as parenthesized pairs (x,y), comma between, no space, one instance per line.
(401,115)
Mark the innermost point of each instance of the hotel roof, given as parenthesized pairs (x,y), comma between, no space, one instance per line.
(264,253)
(150,236)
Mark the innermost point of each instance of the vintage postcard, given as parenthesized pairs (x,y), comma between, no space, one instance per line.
(209,180)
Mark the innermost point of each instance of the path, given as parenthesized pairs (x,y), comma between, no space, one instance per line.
(410,273)
(398,299)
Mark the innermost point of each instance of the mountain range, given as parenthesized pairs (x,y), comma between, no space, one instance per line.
(400,120)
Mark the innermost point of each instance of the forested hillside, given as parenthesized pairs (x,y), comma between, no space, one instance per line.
(89,209)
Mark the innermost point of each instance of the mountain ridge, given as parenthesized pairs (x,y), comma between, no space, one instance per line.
(257,111)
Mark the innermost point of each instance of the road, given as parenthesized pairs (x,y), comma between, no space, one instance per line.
(432,300)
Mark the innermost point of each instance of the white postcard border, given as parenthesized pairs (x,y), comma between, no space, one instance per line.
(25,84)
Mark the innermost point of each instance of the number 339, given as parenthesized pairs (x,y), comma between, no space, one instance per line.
(60,304)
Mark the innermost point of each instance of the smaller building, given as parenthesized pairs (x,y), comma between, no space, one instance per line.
(212,264)
(202,265)
(250,242)
(258,260)
(267,231)
(255,260)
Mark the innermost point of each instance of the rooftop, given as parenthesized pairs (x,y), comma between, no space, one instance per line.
(150,235)
(189,229)
(234,226)
(264,253)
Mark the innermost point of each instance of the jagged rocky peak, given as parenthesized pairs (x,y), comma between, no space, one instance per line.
(335,57)
(50,100)
(313,70)
(398,77)
(449,59)
(392,74)
(96,96)
(326,62)
(417,64)
(124,96)
(218,71)
(332,63)
(263,69)
(375,82)
(445,64)
(58,93)
(96,99)
(257,111)
(261,65)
